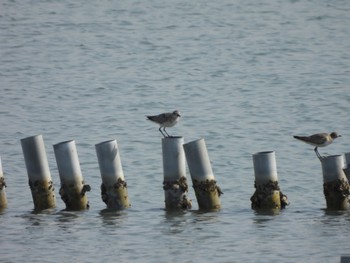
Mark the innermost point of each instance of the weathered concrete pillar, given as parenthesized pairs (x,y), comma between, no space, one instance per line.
(267,194)
(114,190)
(204,184)
(174,171)
(39,175)
(73,189)
(335,184)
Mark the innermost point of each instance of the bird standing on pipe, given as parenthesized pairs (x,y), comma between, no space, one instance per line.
(164,120)
(319,140)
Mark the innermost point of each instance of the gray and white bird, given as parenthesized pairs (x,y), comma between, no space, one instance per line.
(318,140)
(164,120)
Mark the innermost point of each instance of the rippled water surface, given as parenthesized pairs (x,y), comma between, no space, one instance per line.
(245,75)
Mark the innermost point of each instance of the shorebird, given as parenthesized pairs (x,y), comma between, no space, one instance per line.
(318,140)
(164,120)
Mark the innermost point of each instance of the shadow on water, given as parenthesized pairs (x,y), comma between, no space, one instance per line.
(195,215)
(178,221)
(174,221)
(335,218)
(335,212)
(37,218)
(112,217)
(205,216)
(264,216)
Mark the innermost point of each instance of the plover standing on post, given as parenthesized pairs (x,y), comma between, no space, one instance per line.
(318,140)
(164,120)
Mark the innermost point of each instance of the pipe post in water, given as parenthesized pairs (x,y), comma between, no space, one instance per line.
(73,189)
(346,168)
(174,172)
(204,184)
(39,175)
(335,184)
(3,198)
(114,190)
(267,195)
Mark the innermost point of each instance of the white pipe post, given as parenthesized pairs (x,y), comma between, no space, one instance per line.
(335,184)
(72,189)
(39,175)
(3,198)
(204,184)
(113,188)
(347,165)
(267,194)
(174,172)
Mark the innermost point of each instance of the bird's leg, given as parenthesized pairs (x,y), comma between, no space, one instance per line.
(166,132)
(318,154)
(161,132)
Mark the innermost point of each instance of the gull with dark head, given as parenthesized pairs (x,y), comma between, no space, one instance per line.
(164,120)
(318,140)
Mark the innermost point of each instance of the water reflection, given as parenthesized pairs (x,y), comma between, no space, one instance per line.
(112,217)
(174,221)
(67,215)
(205,216)
(36,218)
(328,212)
(264,216)
(67,220)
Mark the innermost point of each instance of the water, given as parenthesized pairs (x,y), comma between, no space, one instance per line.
(245,75)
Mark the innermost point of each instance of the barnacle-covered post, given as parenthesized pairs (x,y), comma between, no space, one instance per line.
(174,172)
(204,184)
(267,195)
(335,184)
(38,171)
(3,199)
(73,190)
(346,168)
(113,188)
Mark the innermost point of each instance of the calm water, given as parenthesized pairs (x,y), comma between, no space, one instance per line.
(246,76)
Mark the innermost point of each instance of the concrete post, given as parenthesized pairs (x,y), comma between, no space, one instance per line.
(204,184)
(335,184)
(40,181)
(174,171)
(267,194)
(72,189)
(113,188)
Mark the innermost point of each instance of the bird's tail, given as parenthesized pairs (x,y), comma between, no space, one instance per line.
(151,118)
(297,137)
(301,138)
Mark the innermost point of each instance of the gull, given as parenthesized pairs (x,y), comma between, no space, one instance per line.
(319,140)
(164,120)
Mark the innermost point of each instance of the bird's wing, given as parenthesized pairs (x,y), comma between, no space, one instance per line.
(318,138)
(161,118)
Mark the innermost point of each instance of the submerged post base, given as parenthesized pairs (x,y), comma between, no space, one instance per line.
(74,195)
(268,196)
(337,194)
(43,194)
(3,199)
(176,194)
(208,194)
(115,196)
